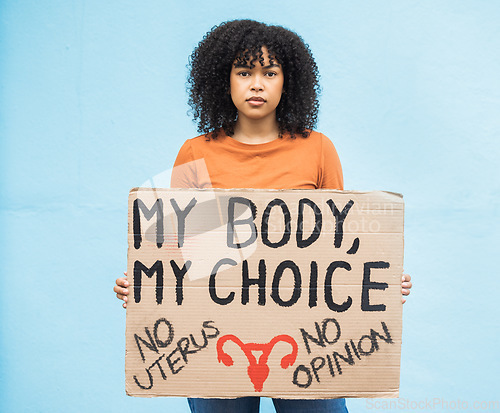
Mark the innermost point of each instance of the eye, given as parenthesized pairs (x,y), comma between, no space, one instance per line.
(244,73)
(271,74)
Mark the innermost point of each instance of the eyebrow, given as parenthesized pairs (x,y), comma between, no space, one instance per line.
(271,65)
(245,65)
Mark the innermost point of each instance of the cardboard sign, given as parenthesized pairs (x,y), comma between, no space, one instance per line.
(279,293)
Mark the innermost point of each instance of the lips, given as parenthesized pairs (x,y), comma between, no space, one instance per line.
(256,99)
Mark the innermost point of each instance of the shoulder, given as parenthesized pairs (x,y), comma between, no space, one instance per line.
(318,136)
(319,139)
(190,148)
(200,139)
(195,142)
(202,142)
(313,136)
(325,147)
(331,176)
(202,146)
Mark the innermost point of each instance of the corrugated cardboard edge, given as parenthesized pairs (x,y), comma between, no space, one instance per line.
(358,395)
(136,189)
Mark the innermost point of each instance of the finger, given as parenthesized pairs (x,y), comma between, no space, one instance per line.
(403,300)
(405,292)
(122,282)
(122,297)
(406,285)
(120,290)
(124,305)
(406,277)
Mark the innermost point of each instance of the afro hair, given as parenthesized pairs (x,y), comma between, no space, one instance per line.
(242,40)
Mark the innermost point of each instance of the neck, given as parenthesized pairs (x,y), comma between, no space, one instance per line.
(256,131)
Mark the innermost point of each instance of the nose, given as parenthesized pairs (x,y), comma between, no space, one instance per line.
(257,84)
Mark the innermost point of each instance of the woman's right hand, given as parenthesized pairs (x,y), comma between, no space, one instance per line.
(121,289)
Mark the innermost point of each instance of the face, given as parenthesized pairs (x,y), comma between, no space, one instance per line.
(257,91)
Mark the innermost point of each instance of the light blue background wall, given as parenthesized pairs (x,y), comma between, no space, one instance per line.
(93,103)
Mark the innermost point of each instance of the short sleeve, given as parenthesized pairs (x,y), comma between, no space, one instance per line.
(331,169)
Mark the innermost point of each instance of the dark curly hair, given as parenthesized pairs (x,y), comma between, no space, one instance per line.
(242,40)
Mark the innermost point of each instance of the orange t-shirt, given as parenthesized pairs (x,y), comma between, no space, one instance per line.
(285,163)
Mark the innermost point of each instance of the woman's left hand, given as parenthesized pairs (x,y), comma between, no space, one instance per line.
(405,287)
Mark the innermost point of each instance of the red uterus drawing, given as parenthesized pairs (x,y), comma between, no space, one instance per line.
(258,371)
